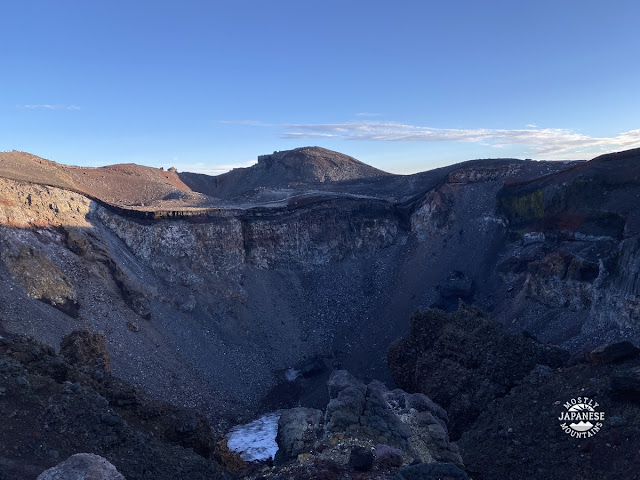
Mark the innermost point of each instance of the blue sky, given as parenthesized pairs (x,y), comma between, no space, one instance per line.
(405,86)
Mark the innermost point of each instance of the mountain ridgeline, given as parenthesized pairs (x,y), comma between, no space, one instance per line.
(302,166)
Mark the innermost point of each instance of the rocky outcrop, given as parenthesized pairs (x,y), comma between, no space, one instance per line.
(613,353)
(70,408)
(298,431)
(464,360)
(524,427)
(134,293)
(26,205)
(87,349)
(411,422)
(82,466)
(403,426)
(574,248)
(41,278)
(326,232)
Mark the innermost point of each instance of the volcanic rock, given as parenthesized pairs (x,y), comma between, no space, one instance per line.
(627,382)
(84,348)
(308,165)
(282,264)
(41,278)
(464,360)
(82,466)
(67,409)
(361,459)
(371,414)
(523,426)
(388,457)
(298,430)
(613,352)
(431,471)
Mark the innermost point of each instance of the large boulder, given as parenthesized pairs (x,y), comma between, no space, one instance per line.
(361,459)
(298,430)
(82,466)
(613,353)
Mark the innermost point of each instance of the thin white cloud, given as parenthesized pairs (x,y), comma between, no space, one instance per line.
(48,107)
(365,114)
(531,125)
(544,141)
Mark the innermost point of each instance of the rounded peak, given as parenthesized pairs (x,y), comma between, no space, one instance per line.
(317,164)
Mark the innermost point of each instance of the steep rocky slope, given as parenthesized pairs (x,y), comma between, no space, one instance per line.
(505,393)
(465,360)
(217,303)
(56,405)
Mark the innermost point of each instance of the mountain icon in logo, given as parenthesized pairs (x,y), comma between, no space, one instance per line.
(578,420)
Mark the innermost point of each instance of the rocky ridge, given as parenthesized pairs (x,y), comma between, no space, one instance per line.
(464,360)
(504,395)
(307,166)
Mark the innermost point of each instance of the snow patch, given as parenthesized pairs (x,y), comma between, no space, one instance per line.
(255,441)
(533,237)
(291,374)
(590,238)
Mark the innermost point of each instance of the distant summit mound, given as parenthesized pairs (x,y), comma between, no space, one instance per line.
(316,164)
(288,168)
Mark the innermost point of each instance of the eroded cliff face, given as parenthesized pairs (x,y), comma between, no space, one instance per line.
(217,309)
(225,303)
(318,234)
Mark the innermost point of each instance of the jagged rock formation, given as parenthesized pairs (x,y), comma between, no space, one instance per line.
(368,413)
(465,360)
(366,432)
(228,294)
(40,278)
(85,348)
(579,250)
(298,431)
(505,393)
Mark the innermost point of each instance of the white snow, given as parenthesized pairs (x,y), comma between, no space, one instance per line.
(291,374)
(255,441)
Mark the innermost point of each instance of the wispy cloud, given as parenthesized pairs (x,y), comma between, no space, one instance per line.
(365,114)
(545,141)
(46,106)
